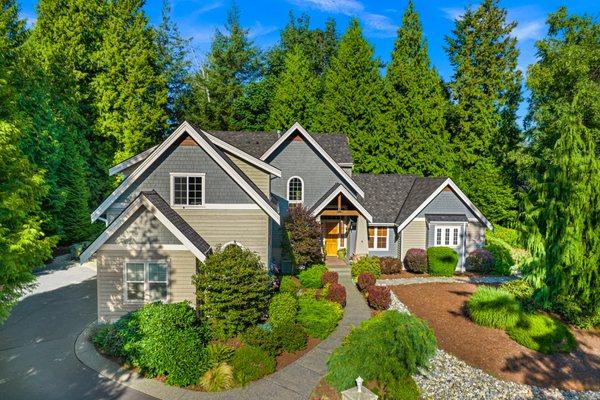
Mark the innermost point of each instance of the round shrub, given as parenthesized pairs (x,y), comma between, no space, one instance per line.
(479,260)
(501,252)
(366,264)
(388,346)
(523,292)
(258,337)
(292,337)
(365,281)
(415,260)
(542,333)
(493,307)
(283,309)
(119,339)
(390,265)
(251,363)
(289,284)
(312,276)
(337,294)
(379,297)
(232,290)
(441,261)
(319,317)
(329,277)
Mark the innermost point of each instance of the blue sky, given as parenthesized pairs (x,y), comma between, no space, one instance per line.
(198,19)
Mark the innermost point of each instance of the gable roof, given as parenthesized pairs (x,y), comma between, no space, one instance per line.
(216,154)
(131,161)
(331,194)
(165,214)
(298,128)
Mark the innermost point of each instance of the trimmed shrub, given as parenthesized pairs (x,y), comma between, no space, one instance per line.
(415,261)
(366,264)
(390,265)
(441,261)
(283,309)
(337,294)
(341,253)
(479,260)
(312,277)
(219,353)
(319,317)
(119,339)
(365,281)
(232,290)
(501,252)
(523,292)
(508,235)
(258,337)
(388,346)
(251,363)
(173,343)
(379,297)
(542,333)
(292,337)
(219,377)
(329,277)
(289,284)
(302,237)
(493,307)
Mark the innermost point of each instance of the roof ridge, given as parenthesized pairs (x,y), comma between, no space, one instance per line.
(406,198)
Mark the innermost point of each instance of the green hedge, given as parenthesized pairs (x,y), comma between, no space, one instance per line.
(319,317)
(289,284)
(508,235)
(493,307)
(501,251)
(251,363)
(283,309)
(441,261)
(371,265)
(311,277)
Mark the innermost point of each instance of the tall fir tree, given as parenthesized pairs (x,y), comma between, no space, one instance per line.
(232,63)
(417,103)
(352,102)
(130,91)
(295,98)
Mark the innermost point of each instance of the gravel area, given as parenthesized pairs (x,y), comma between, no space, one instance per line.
(444,279)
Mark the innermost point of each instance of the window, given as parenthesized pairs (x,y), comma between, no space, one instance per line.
(295,190)
(146,281)
(447,236)
(187,189)
(378,238)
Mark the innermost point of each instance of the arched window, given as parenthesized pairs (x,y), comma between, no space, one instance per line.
(233,243)
(295,190)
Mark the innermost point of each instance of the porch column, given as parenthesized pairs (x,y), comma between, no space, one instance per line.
(362,240)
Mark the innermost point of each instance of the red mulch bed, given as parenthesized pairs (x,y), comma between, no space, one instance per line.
(324,391)
(285,358)
(443,306)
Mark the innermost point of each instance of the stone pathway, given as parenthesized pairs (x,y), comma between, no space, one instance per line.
(296,381)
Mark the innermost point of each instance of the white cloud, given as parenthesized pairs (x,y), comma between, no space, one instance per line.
(259,29)
(529,30)
(453,13)
(383,25)
(347,7)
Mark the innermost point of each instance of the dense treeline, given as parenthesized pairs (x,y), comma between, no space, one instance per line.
(93,83)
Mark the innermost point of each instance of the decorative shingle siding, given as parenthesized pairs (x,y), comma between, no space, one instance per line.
(446,203)
(182,266)
(143,228)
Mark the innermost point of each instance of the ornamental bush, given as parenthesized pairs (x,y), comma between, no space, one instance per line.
(508,235)
(262,338)
(119,339)
(329,277)
(251,363)
(219,377)
(302,237)
(542,333)
(366,264)
(390,265)
(379,297)
(480,260)
(384,348)
(289,284)
(441,261)
(318,317)
(365,281)
(337,294)
(493,307)
(232,290)
(312,277)
(283,309)
(523,292)
(219,353)
(415,260)
(501,253)
(291,337)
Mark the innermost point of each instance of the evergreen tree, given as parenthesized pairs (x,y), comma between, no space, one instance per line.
(130,90)
(417,103)
(232,63)
(173,63)
(352,100)
(12,35)
(295,97)
(23,245)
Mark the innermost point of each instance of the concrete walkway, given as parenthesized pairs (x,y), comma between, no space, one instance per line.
(296,381)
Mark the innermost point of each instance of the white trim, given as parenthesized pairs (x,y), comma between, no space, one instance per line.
(346,164)
(313,142)
(301,201)
(233,243)
(461,195)
(142,247)
(389,224)
(387,238)
(216,206)
(185,127)
(172,176)
(124,216)
(146,280)
(131,161)
(349,196)
(443,228)
(244,156)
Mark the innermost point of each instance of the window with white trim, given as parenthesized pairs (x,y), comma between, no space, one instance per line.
(447,235)
(378,238)
(295,190)
(146,281)
(187,189)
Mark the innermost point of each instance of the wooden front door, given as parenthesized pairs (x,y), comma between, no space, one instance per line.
(332,237)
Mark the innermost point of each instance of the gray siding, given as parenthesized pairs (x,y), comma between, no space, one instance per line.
(392,245)
(446,203)
(143,228)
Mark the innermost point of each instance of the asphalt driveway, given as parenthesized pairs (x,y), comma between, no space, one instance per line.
(37,359)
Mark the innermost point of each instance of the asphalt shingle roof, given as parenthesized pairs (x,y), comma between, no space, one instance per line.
(446,217)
